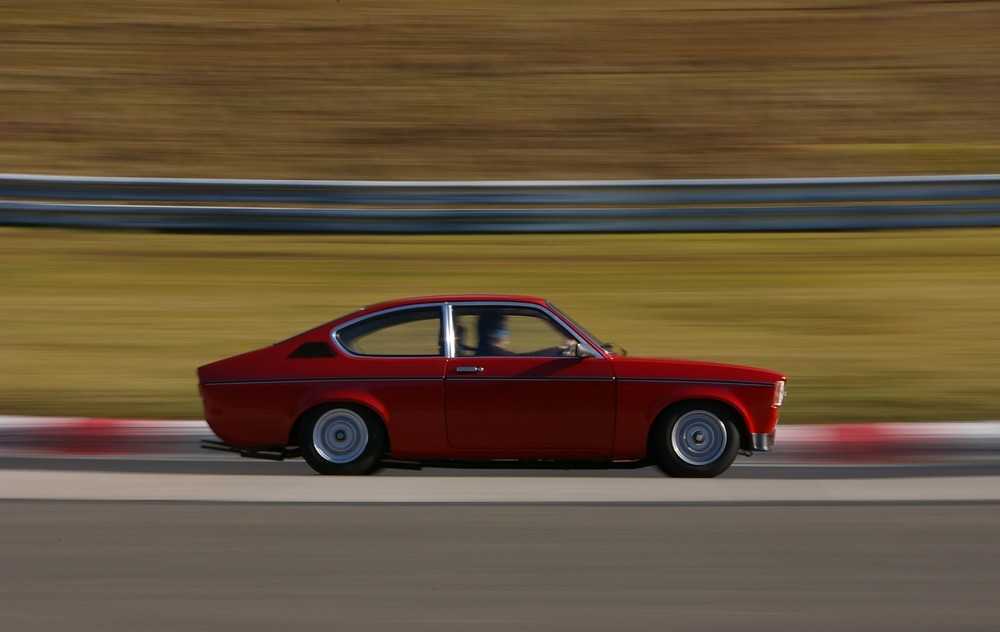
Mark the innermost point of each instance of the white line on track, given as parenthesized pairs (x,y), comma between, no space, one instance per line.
(103,486)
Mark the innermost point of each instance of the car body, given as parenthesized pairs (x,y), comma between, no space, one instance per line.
(479,378)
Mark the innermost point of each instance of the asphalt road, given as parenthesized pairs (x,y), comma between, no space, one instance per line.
(898,554)
(204,566)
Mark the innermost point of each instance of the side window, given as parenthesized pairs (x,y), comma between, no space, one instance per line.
(507,330)
(412,332)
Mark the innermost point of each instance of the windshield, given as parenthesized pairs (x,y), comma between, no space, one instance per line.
(575,324)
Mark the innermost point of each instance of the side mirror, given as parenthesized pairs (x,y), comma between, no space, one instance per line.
(583,350)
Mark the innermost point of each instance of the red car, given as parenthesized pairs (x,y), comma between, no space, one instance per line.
(479,378)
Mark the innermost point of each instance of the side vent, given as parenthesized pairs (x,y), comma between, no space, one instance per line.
(314,350)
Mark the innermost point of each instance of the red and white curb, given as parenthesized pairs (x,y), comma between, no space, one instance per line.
(88,436)
(85,436)
(888,441)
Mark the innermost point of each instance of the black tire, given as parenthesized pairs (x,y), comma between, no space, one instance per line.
(341,440)
(699,440)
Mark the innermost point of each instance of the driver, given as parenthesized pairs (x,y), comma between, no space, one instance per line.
(494,338)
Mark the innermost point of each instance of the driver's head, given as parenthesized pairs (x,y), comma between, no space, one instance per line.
(492,327)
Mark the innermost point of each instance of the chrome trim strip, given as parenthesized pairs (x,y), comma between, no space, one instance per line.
(479,377)
(763,442)
(312,380)
(684,381)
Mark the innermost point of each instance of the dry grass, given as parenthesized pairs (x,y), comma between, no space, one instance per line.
(874,326)
(441,89)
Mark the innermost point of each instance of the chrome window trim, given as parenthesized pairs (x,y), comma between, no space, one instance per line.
(450,344)
(335,332)
(545,309)
(448,323)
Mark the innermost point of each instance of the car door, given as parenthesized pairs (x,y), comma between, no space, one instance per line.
(511,392)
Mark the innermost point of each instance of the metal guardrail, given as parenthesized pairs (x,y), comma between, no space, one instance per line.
(291,206)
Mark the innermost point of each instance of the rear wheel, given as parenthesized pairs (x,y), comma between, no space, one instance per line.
(699,440)
(341,440)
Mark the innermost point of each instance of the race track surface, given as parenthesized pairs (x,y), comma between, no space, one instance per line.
(219,542)
(206,566)
(111,525)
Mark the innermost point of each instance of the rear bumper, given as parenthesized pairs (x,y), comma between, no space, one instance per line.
(763,442)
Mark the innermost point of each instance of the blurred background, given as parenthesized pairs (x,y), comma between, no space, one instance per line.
(878,326)
(449,89)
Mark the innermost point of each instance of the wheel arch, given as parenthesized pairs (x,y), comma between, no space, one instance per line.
(739,417)
(360,405)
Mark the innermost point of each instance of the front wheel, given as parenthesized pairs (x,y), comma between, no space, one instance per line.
(699,441)
(340,440)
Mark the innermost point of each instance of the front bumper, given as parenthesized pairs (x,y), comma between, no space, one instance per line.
(762,442)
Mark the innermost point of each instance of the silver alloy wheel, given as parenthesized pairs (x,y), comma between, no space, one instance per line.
(340,436)
(699,437)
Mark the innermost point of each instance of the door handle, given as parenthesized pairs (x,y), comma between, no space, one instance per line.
(469,369)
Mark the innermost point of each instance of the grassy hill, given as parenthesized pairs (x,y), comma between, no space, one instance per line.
(452,89)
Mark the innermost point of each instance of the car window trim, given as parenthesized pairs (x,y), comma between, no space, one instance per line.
(448,323)
(554,315)
(335,332)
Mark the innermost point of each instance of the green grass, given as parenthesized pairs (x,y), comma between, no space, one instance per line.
(875,326)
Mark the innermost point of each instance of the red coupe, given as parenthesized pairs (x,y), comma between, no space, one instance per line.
(478,378)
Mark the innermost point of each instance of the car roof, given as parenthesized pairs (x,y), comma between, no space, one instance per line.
(455,298)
